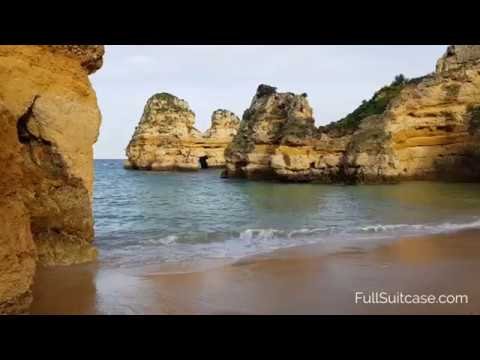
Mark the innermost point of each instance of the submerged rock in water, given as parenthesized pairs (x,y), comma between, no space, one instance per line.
(424,128)
(49,121)
(166,139)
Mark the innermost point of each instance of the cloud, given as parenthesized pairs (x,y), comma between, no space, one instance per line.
(140,60)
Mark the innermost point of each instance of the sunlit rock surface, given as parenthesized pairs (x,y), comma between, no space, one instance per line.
(423,128)
(49,123)
(166,139)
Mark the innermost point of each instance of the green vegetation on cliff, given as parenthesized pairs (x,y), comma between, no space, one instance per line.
(170,102)
(164,96)
(243,141)
(375,106)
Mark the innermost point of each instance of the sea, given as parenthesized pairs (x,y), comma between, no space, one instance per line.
(147,218)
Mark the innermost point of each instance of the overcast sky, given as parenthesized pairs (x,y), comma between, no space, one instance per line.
(336,79)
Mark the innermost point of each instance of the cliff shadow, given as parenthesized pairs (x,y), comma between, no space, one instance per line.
(203,161)
(465,167)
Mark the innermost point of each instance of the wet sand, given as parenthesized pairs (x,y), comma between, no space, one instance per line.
(300,280)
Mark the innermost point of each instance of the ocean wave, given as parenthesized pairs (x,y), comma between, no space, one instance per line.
(269,234)
(427,228)
(247,236)
(259,235)
(183,247)
(166,240)
(255,237)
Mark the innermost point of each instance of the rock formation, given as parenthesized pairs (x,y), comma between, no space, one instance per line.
(423,128)
(458,56)
(165,138)
(49,121)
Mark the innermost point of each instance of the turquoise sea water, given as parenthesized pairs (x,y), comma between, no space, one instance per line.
(155,217)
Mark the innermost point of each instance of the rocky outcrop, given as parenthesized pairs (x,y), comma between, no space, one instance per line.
(17,249)
(423,128)
(166,139)
(277,135)
(458,56)
(49,121)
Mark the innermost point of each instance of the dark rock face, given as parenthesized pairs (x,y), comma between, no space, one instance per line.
(264,90)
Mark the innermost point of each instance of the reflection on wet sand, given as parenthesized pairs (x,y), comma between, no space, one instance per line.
(65,290)
(300,280)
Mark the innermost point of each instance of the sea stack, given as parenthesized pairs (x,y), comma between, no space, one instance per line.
(166,139)
(274,123)
(418,129)
(49,122)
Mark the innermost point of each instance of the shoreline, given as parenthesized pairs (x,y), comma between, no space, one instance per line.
(297,280)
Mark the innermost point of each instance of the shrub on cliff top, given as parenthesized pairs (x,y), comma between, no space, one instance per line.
(375,106)
(400,79)
(164,96)
(171,102)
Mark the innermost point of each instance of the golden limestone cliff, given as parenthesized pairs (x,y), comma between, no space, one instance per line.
(166,139)
(423,128)
(49,121)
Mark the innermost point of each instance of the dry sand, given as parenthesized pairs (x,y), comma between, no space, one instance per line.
(300,280)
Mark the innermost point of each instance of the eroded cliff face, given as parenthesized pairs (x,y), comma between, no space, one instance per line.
(17,249)
(166,139)
(277,138)
(458,56)
(49,122)
(426,130)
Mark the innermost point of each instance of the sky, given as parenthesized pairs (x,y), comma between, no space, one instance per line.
(336,79)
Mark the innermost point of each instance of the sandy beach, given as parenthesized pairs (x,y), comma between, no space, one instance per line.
(300,280)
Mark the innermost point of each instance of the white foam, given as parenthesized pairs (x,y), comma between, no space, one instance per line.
(301,232)
(171,248)
(252,235)
(167,240)
(427,228)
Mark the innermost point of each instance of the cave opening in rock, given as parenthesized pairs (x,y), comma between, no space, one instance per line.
(23,133)
(203,162)
(24,136)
